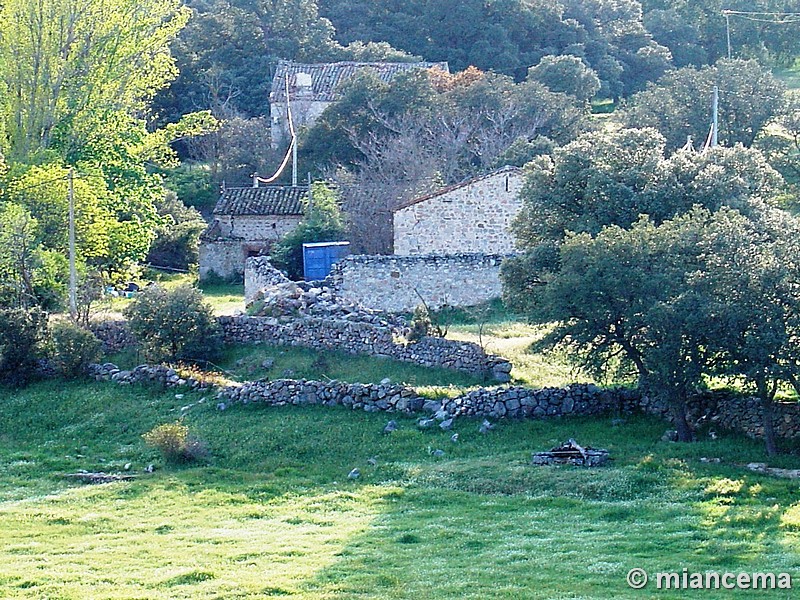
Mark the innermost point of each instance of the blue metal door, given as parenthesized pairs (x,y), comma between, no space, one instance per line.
(318,258)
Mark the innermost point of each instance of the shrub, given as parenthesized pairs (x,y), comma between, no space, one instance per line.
(174,324)
(22,333)
(177,237)
(322,222)
(74,349)
(420,324)
(175,443)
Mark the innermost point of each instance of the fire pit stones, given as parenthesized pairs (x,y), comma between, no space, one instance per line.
(571,453)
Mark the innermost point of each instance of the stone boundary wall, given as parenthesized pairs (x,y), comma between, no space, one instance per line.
(709,410)
(388,283)
(528,403)
(724,411)
(577,400)
(348,336)
(114,335)
(160,374)
(364,338)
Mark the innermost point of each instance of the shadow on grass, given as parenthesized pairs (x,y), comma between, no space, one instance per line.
(276,514)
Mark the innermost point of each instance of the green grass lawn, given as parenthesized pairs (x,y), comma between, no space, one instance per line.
(243,363)
(273,513)
(789,75)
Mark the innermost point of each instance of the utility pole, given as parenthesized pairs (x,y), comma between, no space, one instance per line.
(715,118)
(727,15)
(294,161)
(310,195)
(73,274)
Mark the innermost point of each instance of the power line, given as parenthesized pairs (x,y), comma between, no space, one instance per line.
(753,12)
(17,190)
(290,153)
(778,18)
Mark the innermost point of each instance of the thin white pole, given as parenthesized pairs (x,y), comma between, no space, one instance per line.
(73,274)
(715,118)
(728,30)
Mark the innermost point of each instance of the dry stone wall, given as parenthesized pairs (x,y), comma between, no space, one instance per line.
(722,410)
(512,402)
(374,337)
(159,374)
(114,335)
(711,410)
(364,338)
(395,283)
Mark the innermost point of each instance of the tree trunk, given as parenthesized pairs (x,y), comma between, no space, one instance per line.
(767,397)
(677,407)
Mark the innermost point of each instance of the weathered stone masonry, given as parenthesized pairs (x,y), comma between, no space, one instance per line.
(473,216)
(364,338)
(714,410)
(395,283)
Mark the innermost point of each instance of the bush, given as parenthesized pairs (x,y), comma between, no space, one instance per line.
(74,349)
(174,324)
(420,324)
(176,243)
(322,222)
(175,443)
(22,333)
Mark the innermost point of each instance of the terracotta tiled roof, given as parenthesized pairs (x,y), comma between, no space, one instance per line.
(456,186)
(266,200)
(326,77)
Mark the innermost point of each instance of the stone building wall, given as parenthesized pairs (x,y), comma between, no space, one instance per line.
(224,258)
(304,114)
(241,236)
(391,283)
(471,217)
(258,227)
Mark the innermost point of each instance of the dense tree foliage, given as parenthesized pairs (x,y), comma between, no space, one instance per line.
(322,222)
(79,78)
(67,66)
(695,31)
(669,268)
(509,36)
(679,104)
(176,240)
(391,142)
(174,324)
(227,53)
(23,333)
(568,74)
(30,275)
(605,179)
(703,293)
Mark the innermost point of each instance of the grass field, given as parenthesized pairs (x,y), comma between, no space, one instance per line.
(789,75)
(273,513)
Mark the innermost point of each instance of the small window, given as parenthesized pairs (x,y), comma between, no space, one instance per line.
(274,225)
(508,184)
(395,274)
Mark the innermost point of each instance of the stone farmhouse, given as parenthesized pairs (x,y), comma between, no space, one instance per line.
(313,87)
(246,222)
(470,217)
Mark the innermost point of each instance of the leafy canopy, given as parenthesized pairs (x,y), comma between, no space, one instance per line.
(605,179)
(322,222)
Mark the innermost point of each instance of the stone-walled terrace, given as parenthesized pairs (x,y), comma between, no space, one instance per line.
(364,338)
